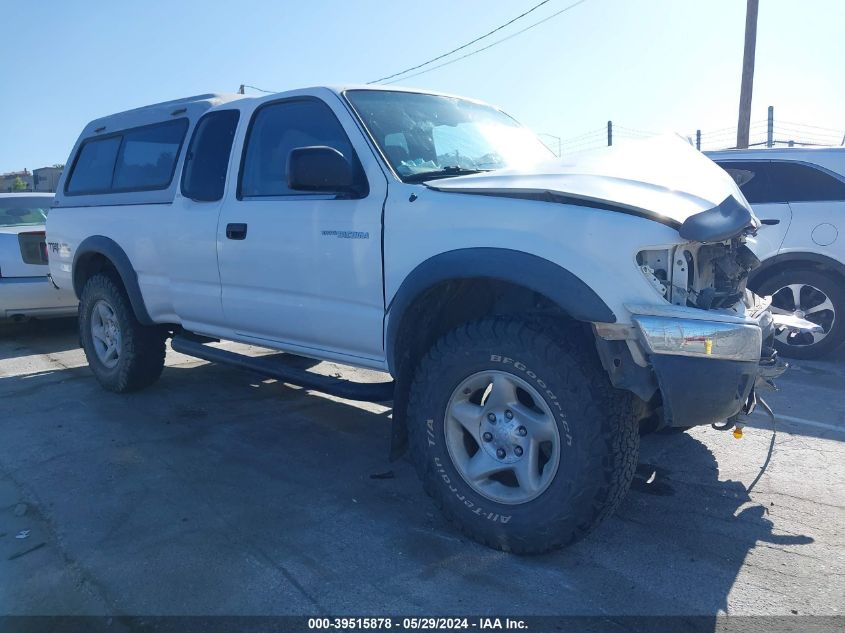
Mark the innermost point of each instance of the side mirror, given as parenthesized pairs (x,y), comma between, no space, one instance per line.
(320,168)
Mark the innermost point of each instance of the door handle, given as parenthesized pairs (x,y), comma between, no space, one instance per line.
(236,231)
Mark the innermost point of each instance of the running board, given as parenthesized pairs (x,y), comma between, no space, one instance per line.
(364,391)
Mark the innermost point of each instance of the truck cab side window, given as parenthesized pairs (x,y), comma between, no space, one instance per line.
(278,128)
(207,160)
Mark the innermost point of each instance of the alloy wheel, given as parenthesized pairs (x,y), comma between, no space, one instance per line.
(806,302)
(105,334)
(502,437)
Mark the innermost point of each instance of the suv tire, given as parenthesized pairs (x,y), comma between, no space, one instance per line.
(555,410)
(123,354)
(813,289)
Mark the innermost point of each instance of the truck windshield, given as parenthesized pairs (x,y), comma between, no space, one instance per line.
(24,211)
(425,136)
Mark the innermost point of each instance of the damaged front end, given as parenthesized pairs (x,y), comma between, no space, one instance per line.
(712,276)
(705,276)
(711,348)
(709,366)
(697,353)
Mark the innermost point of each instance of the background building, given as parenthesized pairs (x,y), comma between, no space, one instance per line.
(16,181)
(46,178)
(41,179)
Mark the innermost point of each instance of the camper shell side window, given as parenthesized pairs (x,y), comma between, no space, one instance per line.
(136,159)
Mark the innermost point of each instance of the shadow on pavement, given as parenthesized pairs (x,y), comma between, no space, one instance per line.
(44,336)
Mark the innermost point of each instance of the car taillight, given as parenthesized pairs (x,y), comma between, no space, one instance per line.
(33,245)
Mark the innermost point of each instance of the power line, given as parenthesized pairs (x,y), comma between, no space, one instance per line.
(599,131)
(818,127)
(786,129)
(269,92)
(632,130)
(484,48)
(463,46)
(732,128)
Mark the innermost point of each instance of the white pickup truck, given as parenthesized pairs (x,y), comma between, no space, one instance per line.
(531,312)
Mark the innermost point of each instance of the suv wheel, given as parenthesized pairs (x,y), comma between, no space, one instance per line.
(811,295)
(123,354)
(519,436)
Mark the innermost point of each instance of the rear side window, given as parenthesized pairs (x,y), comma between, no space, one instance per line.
(94,166)
(139,159)
(797,182)
(278,128)
(207,159)
(148,156)
(772,181)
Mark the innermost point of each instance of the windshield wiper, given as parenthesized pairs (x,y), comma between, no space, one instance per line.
(446,172)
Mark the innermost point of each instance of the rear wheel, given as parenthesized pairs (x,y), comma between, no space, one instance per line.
(123,354)
(812,295)
(518,435)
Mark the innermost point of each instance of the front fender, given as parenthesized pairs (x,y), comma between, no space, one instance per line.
(556,283)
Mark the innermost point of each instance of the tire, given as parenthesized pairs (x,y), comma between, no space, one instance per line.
(138,352)
(813,290)
(569,398)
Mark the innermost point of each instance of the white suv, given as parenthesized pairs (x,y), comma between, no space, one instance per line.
(531,312)
(803,256)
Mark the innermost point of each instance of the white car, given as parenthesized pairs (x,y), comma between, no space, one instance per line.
(803,255)
(25,288)
(530,311)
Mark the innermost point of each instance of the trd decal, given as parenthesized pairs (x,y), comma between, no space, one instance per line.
(59,248)
(347,235)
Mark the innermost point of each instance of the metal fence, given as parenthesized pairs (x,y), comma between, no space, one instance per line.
(764,133)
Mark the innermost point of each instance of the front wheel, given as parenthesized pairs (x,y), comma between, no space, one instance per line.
(518,435)
(123,354)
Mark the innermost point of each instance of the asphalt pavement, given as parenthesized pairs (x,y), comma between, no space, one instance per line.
(217,492)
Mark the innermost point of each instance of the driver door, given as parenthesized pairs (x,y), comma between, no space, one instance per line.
(303,271)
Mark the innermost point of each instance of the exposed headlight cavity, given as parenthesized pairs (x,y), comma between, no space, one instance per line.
(655,266)
(706,276)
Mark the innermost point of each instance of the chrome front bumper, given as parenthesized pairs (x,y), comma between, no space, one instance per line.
(708,364)
(704,339)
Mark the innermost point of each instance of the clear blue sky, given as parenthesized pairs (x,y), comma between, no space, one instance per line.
(646,64)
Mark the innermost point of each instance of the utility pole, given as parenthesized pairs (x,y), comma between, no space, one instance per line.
(241,90)
(743,127)
(609,133)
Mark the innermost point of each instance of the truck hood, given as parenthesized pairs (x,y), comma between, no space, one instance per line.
(664,179)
